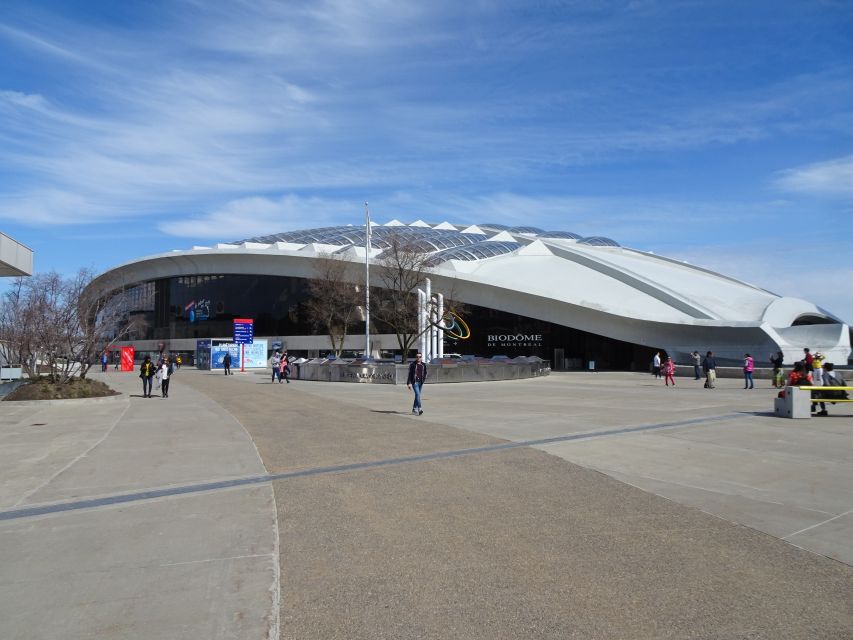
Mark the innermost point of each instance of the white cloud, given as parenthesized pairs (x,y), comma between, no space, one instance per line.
(833,178)
(256,216)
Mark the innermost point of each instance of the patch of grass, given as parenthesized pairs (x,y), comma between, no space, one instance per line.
(44,389)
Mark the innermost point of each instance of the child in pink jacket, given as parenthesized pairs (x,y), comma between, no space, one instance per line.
(669,371)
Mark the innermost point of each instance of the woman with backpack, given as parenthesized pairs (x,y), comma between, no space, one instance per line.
(831,378)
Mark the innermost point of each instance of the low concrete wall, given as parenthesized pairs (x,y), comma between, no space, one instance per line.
(438,373)
(758,374)
(8,387)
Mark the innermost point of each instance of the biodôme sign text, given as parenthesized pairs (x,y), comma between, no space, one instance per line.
(514,339)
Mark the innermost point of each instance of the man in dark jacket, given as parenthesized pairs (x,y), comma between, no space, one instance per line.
(146,372)
(709,366)
(226,363)
(416,379)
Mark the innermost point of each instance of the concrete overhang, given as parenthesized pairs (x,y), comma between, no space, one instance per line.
(15,258)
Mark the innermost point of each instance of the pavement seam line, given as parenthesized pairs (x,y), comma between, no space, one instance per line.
(75,460)
(274,630)
(243,557)
(672,483)
(796,533)
(344,468)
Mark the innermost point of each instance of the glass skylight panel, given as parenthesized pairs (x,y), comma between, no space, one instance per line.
(533,230)
(424,239)
(561,234)
(478,251)
(599,241)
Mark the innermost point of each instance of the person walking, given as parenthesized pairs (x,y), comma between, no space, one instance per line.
(275,364)
(778,372)
(669,371)
(146,372)
(697,365)
(284,369)
(808,359)
(831,378)
(748,368)
(166,371)
(709,367)
(104,361)
(656,365)
(178,361)
(416,379)
(226,363)
(817,369)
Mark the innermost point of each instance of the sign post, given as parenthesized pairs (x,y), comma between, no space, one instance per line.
(244,333)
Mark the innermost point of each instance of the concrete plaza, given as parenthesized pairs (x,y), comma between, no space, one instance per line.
(580,505)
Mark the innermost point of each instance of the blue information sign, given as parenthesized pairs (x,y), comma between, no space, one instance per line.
(244,331)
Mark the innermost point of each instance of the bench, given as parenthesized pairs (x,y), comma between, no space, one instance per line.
(798,401)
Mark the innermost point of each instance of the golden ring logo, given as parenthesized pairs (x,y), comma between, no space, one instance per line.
(454,326)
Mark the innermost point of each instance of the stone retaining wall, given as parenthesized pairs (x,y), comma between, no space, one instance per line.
(438,373)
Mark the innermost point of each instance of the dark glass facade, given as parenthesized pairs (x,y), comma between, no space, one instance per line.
(206,306)
(499,333)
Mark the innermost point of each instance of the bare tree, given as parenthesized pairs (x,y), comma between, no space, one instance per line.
(56,325)
(17,315)
(101,320)
(403,268)
(335,301)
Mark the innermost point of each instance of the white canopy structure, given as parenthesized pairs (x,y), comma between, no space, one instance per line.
(590,284)
(15,258)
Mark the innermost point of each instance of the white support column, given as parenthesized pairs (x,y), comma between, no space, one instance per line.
(421,320)
(433,307)
(428,349)
(440,332)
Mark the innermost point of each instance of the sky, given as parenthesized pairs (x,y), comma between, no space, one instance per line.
(720,133)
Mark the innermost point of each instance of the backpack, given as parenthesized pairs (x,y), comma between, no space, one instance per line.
(837,382)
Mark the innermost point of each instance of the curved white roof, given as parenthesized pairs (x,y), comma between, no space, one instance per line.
(589,283)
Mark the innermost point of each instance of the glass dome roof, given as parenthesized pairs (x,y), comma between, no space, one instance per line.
(560,234)
(445,244)
(478,251)
(599,241)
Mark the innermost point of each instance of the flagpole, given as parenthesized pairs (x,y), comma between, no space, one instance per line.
(366,282)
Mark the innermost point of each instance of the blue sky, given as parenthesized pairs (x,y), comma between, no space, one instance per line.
(716,132)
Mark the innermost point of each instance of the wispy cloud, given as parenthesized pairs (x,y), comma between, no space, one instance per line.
(248,217)
(833,178)
(263,115)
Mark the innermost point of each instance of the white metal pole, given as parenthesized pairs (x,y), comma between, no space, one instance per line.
(439,324)
(428,352)
(421,320)
(366,282)
(432,309)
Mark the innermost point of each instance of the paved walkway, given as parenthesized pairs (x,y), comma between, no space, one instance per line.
(153,518)
(198,565)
